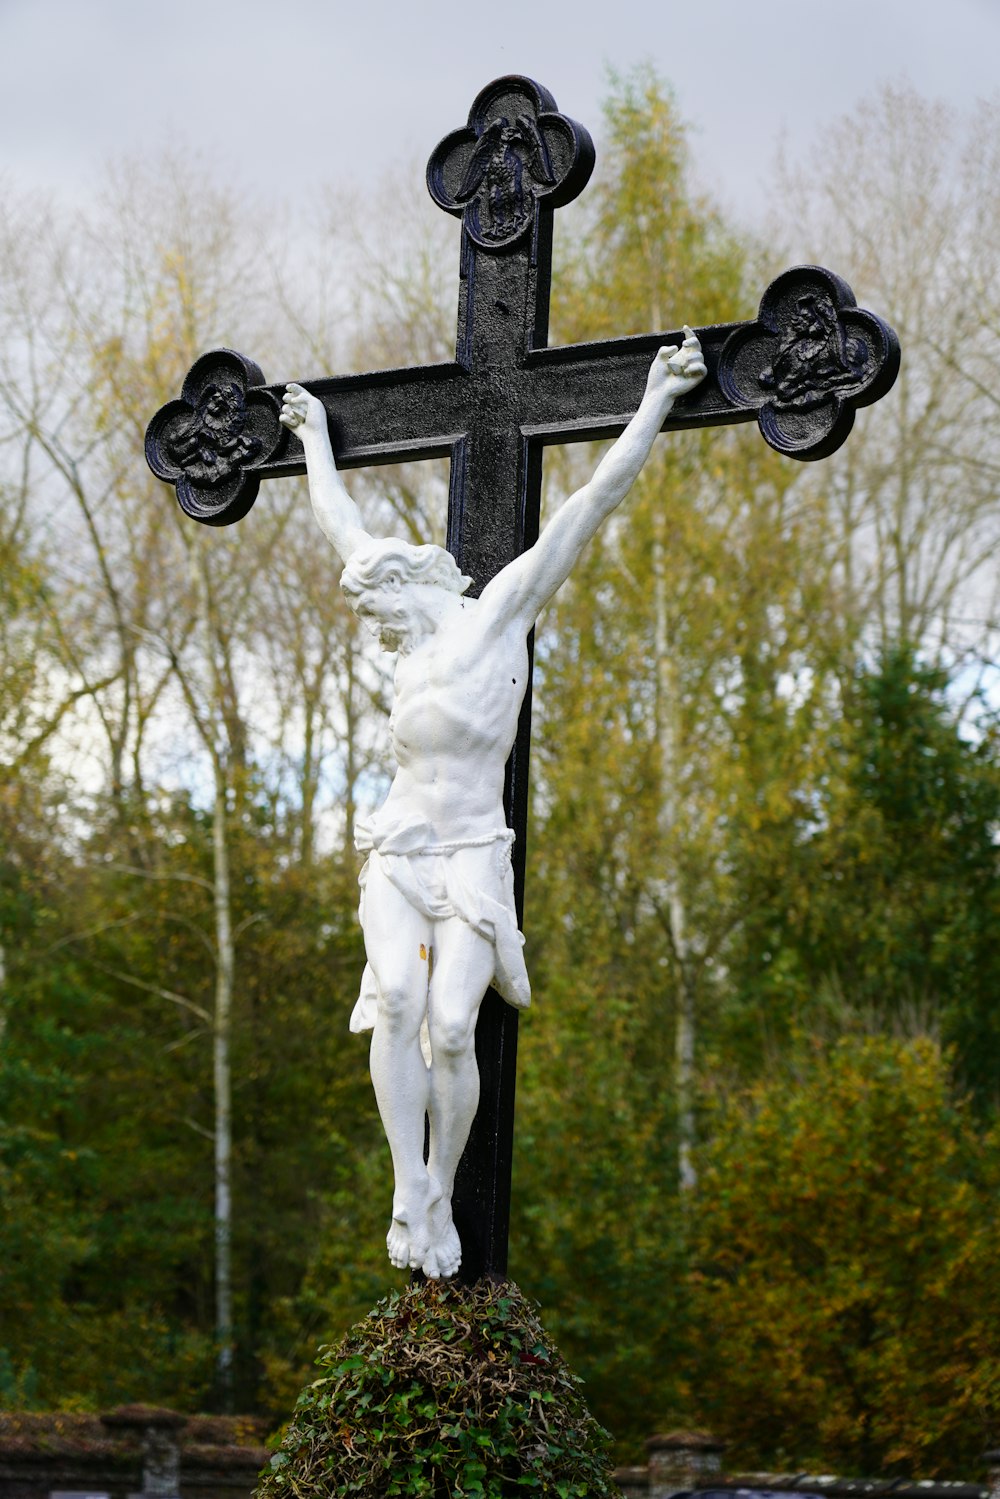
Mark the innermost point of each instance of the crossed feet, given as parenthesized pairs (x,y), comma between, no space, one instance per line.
(422,1234)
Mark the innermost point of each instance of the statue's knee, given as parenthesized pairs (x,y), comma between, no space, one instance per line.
(398,1009)
(452,1038)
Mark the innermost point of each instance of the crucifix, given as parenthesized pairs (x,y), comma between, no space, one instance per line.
(455,881)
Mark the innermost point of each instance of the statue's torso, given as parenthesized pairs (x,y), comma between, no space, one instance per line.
(457,700)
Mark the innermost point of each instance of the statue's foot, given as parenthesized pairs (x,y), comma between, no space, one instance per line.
(397,1241)
(444,1254)
(409,1238)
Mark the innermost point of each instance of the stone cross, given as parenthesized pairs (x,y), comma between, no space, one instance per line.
(800,369)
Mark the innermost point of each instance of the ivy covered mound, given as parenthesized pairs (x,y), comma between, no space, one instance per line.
(443,1391)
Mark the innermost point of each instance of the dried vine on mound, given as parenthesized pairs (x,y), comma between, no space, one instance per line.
(443,1391)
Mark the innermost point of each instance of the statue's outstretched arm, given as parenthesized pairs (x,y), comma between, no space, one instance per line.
(525,586)
(338,516)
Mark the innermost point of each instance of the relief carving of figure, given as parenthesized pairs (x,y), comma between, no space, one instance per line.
(211,443)
(437,905)
(502,156)
(814,358)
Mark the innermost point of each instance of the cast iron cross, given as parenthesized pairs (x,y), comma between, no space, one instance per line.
(810,358)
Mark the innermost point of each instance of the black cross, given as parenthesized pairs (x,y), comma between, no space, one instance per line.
(801,368)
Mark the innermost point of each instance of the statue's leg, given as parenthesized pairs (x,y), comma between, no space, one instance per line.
(463,968)
(397,941)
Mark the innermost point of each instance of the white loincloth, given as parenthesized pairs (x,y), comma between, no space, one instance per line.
(432,878)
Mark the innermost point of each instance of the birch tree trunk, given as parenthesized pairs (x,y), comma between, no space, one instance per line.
(669,739)
(212,723)
(222,1079)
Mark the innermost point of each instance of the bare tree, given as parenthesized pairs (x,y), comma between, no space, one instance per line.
(901,195)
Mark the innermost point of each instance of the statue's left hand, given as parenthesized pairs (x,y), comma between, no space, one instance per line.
(674,370)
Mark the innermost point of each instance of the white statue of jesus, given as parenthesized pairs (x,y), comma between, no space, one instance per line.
(437,906)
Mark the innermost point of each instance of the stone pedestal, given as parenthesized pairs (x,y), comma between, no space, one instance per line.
(679,1460)
(155,1430)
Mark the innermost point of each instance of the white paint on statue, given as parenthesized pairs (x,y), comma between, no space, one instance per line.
(437,905)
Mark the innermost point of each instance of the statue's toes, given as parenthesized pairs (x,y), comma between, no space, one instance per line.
(398,1245)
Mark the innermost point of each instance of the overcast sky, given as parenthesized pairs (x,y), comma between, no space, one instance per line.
(282,93)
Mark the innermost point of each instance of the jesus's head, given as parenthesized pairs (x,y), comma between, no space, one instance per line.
(383,581)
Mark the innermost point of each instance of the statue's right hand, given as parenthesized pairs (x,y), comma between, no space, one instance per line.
(674,370)
(300,409)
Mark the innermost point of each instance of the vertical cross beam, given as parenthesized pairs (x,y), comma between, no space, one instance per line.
(504,173)
(800,369)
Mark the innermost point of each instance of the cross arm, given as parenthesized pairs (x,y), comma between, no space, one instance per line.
(800,369)
(421,407)
(222,437)
(584,392)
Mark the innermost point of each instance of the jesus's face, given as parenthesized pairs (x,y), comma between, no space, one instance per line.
(387,610)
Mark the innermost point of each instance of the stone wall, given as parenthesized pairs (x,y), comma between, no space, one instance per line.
(690,1463)
(157,1453)
(135,1449)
